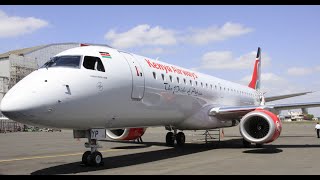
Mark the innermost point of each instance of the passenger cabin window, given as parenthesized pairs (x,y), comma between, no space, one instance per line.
(184,80)
(191,82)
(170,78)
(63,61)
(178,80)
(93,63)
(154,75)
(162,75)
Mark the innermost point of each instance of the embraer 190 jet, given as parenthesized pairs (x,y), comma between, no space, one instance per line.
(100,91)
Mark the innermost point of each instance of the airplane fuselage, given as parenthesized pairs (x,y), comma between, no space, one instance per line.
(134,91)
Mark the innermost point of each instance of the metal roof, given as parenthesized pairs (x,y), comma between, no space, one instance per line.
(21,52)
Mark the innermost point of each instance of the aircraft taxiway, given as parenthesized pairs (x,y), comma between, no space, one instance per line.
(295,152)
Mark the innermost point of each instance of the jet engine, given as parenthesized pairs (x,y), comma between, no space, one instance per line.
(260,126)
(125,134)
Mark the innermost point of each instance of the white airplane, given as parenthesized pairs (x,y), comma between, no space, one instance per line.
(99,91)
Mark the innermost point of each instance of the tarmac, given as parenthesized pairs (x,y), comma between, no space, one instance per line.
(294,152)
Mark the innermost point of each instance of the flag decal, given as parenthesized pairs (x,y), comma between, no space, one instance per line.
(105,55)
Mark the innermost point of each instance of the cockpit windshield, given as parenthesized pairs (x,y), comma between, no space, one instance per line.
(63,61)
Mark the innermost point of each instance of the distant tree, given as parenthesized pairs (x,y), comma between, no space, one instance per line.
(308,116)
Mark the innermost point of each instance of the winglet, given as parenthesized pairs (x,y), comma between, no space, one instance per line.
(255,80)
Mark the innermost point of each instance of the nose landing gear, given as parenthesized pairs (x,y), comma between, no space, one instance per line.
(93,157)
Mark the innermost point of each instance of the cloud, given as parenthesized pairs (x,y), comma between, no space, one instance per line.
(302,71)
(274,84)
(214,33)
(12,26)
(298,71)
(145,35)
(141,35)
(226,60)
(267,78)
(157,50)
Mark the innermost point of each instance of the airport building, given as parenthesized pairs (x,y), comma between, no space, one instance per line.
(16,64)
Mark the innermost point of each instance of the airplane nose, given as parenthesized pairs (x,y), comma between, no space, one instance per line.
(7,107)
(14,107)
(20,103)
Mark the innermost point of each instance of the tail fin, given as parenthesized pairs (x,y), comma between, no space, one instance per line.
(255,81)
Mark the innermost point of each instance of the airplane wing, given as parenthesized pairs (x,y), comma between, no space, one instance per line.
(236,112)
(274,98)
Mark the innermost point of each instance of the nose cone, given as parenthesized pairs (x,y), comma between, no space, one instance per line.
(7,106)
(17,106)
(21,102)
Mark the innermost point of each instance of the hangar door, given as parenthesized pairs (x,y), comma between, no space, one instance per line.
(137,76)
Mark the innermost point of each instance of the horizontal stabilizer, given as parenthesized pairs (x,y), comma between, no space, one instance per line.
(274,98)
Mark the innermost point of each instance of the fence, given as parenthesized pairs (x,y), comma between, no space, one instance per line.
(10,126)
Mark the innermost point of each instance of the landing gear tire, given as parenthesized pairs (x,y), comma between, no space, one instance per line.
(86,158)
(96,159)
(181,139)
(246,144)
(170,139)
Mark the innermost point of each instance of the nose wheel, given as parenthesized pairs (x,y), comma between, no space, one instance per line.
(93,157)
(173,136)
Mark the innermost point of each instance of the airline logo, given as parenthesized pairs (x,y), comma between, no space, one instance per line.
(105,55)
(171,69)
(255,81)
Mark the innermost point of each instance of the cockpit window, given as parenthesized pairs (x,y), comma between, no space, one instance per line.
(93,63)
(63,61)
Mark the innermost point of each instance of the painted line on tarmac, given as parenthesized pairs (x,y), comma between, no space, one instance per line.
(53,156)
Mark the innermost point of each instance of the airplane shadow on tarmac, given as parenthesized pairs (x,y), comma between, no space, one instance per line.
(150,156)
(157,155)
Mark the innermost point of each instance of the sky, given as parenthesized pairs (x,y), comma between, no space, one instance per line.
(219,40)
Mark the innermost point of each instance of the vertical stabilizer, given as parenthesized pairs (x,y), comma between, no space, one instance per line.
(255,81)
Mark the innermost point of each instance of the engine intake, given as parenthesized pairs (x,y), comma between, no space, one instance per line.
(125,134)
(260,126)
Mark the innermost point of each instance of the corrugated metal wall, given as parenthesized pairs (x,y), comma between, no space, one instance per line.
(43,55)
(4,67)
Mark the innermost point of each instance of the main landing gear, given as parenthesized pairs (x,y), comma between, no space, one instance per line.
(93,157)
(174,136)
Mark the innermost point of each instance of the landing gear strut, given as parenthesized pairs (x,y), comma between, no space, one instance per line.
(174,136)
(93,157)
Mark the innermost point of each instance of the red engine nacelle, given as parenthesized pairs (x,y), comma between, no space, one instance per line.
(260,126)
(125,134)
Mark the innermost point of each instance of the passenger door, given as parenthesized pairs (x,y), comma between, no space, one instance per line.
(138,82)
